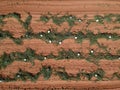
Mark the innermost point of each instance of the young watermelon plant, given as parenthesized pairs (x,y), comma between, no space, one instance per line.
(44,18)
(46,71)
(27,22)
(5,60)
(58,20)
(1,19)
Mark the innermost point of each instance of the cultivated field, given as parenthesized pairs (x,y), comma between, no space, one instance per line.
(60,45)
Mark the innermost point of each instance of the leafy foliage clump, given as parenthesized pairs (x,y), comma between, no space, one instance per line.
(58,20)
(5,60)
(27,22)
(24,75)
(29,55)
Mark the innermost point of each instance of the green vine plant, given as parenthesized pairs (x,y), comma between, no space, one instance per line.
(7,34)
(24,76)
(17,16)
(99,74)
(117,18)
(56,37)
(27,22)
(71,20)
(47,72)
(1,20)
(101,19)
(29,56)
(58,20)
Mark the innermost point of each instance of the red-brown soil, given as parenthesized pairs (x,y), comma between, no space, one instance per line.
(77,8)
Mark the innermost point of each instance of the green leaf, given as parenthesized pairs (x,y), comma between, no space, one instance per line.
(15,15)
(30,54)
(100,74)
(47,71)
(117,18)
(27,21)
(17,41)
(108,17)
(71,20)
(4,34)
(58,20)
(44,18)
(99,18)
(5,60)
(63,75)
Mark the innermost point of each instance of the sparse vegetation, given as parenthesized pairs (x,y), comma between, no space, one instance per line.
(52,36)
(58,20)
(117,18)
(24,76)
(99,19)
(18,17)
(55,37)
(5,60)
(70,19)
(47,72)
(1,19)
(14,14)
(27,22)
(44,18)
(29,55)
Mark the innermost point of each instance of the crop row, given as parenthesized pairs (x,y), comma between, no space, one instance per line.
(59,19)
(46,72)
(29,56)
(55,37)
(71,20)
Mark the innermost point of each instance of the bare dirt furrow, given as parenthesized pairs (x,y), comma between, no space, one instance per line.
(77,85)
(8,46)
(60,6)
